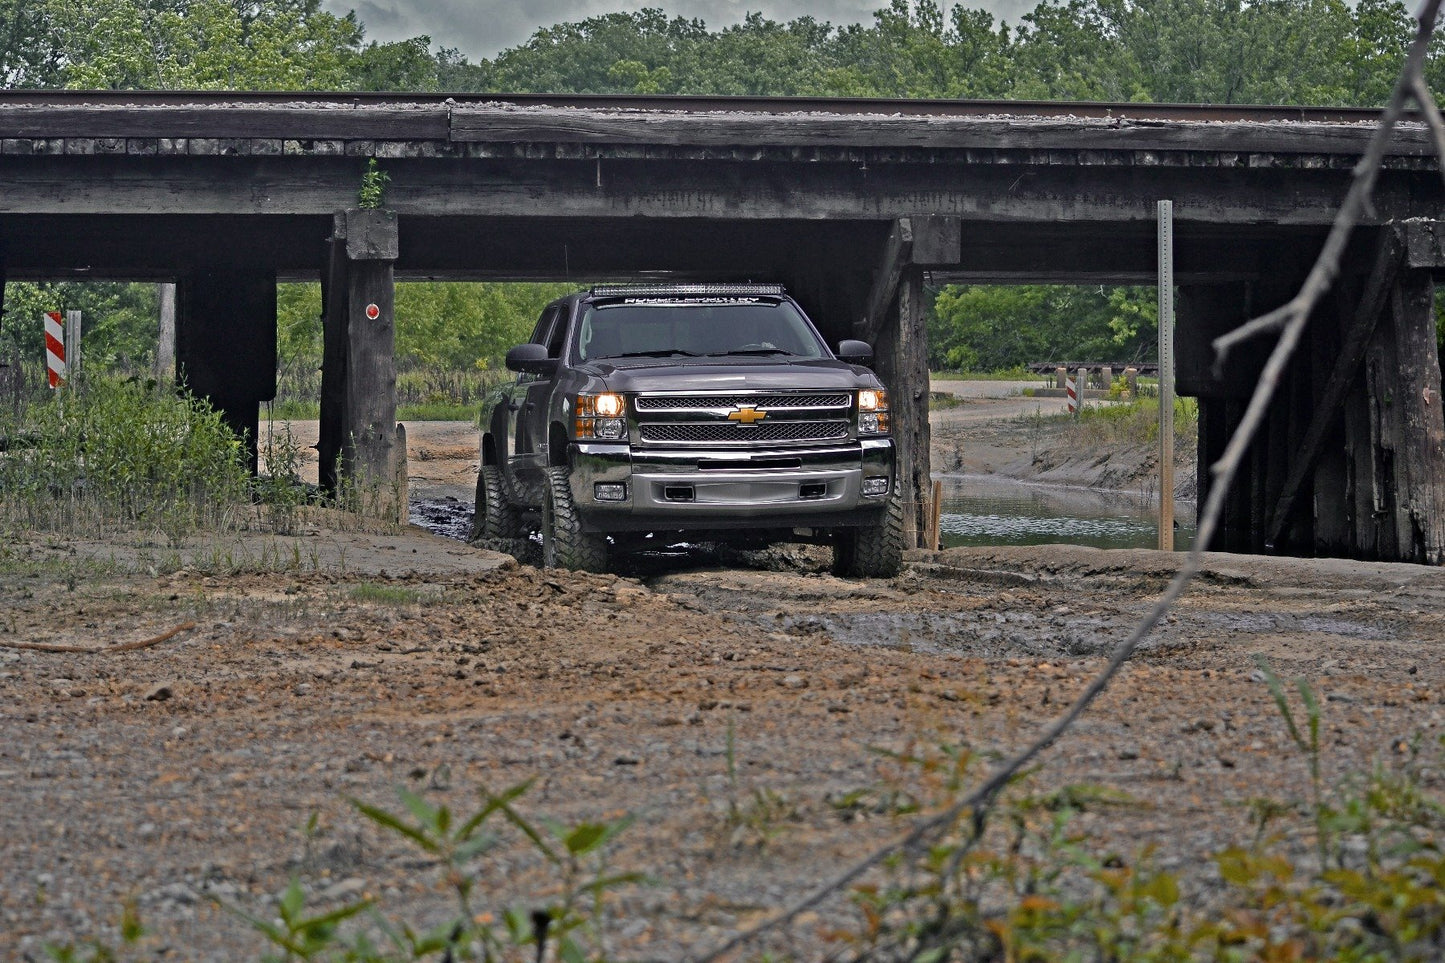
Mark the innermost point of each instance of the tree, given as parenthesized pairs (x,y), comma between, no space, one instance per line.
(27,57)
(119,323)
(580,57)
(915,51)
(200,44)
(989,328)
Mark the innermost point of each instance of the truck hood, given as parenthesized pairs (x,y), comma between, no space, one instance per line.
(725,376)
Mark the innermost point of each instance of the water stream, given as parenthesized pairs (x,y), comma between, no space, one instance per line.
(990,510)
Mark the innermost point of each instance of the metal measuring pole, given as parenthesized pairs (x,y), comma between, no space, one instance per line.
(1166,376)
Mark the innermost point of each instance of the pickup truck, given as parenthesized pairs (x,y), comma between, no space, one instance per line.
(688,412)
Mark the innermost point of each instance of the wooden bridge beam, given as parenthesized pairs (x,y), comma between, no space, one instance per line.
(359,432)
(335,281)
(895,317)
(226,344)
(1346,367)
(1407,450)
(924,241)
(902,362)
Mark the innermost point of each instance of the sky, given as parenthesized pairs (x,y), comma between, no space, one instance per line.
(482,28)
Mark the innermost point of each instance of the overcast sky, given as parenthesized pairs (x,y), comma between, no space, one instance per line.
(481,28)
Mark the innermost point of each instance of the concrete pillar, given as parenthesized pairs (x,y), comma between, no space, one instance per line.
(1106,376)
(226,344)
(1061,377)
(1131,382)
(359,368)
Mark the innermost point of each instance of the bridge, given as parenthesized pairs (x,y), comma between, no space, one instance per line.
(851,204)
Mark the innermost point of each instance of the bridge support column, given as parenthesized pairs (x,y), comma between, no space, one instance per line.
(902,360)
(360,438)
(896,319)
(1400,463)
(226,344)
(1351,459)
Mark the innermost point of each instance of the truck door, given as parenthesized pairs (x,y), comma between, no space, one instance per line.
(527,408)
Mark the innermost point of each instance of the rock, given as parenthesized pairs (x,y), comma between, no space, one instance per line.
(159,693)
(350,886)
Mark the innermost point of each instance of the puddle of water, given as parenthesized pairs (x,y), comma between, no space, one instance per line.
(986,510)
(977,510)
(447,516)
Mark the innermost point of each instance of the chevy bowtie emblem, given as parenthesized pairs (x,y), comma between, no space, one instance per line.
(747,415)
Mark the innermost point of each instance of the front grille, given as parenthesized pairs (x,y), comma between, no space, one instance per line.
(694,433)
(682,402)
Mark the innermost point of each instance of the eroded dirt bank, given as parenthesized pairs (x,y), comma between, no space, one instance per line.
(186,772)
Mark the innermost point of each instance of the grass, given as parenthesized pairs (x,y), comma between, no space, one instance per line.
(1006,374)
(422,394)
(389,594)
(117,454)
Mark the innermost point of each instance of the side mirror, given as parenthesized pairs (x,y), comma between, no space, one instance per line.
(531,359)
(855,352)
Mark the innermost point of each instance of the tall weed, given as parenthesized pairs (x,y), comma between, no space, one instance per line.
(117,454)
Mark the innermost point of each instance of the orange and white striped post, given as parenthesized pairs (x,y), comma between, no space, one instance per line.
(55,348)
(1072,390)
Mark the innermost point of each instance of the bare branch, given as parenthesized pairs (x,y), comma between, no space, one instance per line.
(1263,324)
(100,649)
(1290,320)
(1426,102)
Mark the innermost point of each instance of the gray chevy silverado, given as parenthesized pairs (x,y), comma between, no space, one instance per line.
(697,412)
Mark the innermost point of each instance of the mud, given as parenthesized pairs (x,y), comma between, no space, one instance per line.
(184,776)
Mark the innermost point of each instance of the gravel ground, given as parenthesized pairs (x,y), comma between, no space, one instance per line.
(183,775)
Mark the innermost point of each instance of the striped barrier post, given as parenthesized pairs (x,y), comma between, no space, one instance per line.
(55,348)
(1072,389)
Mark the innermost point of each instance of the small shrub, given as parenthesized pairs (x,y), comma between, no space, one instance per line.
(120,454)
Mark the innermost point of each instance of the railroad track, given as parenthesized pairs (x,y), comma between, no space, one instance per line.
(706,104)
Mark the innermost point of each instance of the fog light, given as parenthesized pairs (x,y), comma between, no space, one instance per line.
(875,486)
(610,492)
(608,428)
(868,423)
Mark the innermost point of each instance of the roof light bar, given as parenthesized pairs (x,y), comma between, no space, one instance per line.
(684,290)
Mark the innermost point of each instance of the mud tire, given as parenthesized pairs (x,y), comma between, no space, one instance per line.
(871,551)
(564,544)
(495,519)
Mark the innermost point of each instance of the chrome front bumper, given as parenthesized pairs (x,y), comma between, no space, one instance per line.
(721,488)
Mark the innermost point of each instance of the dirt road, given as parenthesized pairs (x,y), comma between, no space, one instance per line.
(730,710)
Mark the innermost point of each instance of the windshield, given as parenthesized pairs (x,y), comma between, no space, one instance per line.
(660,328)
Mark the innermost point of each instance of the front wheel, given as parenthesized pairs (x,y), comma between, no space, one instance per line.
(494,518)
(564,544)
(871,551)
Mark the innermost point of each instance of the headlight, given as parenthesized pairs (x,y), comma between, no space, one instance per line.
(600,417)
(873,412)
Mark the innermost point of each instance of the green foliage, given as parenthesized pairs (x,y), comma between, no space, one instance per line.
(454,327)
(373,186)
(200,44)
(118,321)
(97,951)
(1026,884)
(454,843)
(998,327)
(109,453)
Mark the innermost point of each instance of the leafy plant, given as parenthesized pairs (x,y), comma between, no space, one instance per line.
(373,186)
